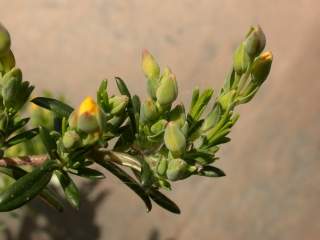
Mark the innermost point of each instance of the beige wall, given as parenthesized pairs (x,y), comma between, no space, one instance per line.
(272,186)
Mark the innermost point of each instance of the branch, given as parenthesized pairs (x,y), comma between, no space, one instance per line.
(33,160)
(36,160)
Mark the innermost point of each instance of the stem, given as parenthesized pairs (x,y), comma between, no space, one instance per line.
(36,160)
(32,160)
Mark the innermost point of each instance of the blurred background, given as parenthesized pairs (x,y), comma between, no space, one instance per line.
(272,187)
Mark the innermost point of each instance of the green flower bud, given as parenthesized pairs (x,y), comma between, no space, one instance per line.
(159,126)
(241,60)
(178,169)
(255,41)
(148,111)
(118,104)
(178,115)
(5,40)
(151,70)
(15,92)
(227,99)
(261,67)
(71,139)
(7,62)
(167,91)
(162,166)
(174,139)
(73,119)
(212,119)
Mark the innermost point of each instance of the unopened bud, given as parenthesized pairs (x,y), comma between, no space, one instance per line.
(71,139)
(261,67)
(7,61)
(159,126)
(178,115)
(178,169)
(212,119)
(255,41)
(151,70)
(241,60)
(227,99)
(148,111)
(118,104)
(88,116)
(167,91)
(162,166)
(174,139)
(5,41)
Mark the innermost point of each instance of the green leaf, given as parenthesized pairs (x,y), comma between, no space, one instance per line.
(89,173)
(22,137)
(17,125)
(164,201)
(201,103)
(69,187)
(46,195)
(126,179)
(131,112)
(211,171)
(146,175)
(49,142)
(27,187)
(102,96)
(56,106)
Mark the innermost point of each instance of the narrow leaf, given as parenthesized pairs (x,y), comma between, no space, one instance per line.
(48,142)
(164,201)
(126,179)
(70,189)
(26,187)
(22,137)
(46,195)
(211,171)
(89,173)
(54,105)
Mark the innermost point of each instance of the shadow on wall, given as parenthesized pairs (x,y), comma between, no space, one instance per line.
(41,222)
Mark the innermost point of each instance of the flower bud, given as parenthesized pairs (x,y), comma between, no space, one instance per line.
(241,60)
(178,115)
(118,104)
(261,67)
(174,139)
(255,41)
(151,70)
(159,126)
(5,40)
(71,139)
(212,119)
(167,91)
(14,91)
(87,116)
(178,169)
(7,62)
(162,166)
(148,111)
(226,100)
